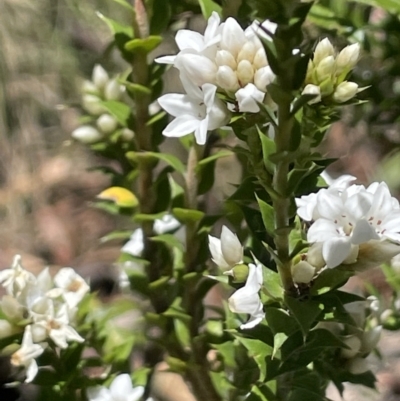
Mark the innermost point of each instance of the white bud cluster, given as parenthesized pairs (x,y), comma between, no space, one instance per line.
(100,88)
(43,307)
(327,72)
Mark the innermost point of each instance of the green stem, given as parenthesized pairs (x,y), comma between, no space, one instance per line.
(281,203)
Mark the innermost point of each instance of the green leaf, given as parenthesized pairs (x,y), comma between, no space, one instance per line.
(279,321)
(145,45)
(170,240)
(182,333)
(268,216)
(125,4)
(272,284)
(279,339)
(257,350)
(329,279)
(227,351)
(305,312)
(161,16)
(121,111)
(214,157)
(268,148)
(187,215)
(207,8)
(171,160)
(116,27)
(393,6)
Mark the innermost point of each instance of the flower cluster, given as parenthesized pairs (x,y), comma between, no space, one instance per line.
(227,252)
(327,72)
(226,59)
(351,224)
(42,306)
(101,88)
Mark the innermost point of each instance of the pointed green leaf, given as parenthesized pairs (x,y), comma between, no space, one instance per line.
(145,45)
(268,216)
(207,8)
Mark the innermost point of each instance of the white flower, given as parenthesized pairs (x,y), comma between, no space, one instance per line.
(345,220)
(227,251)
(248,97)
(311,89)
(15,279)
(73,287)
(56,325)
(165,224)
(120,390)
(347,58)
(135,245)
(199,111)
(113,90)
(186,39)
(247,299)
(26,355)
(323,49)
(303,272)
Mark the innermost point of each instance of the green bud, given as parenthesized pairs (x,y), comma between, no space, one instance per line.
(239,273)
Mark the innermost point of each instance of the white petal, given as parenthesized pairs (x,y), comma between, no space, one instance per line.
(231,247)
(121,387)
(181,126)
(135,245)
(165,60)
(201,131)
(31,371)
(219,115)
(214,245)
(336,250)
(363,232)
(136,394)
(329,205)
(233,37)
(322,230)
(98,393)
(198,68)
(177,104)
(211,35)
(186,39)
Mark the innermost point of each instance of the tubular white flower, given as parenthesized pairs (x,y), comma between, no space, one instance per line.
(224,58)
(303,272)
(91,104)
(121,389)
(113,90)
(245,72)
(247,299)
(227,79)
(26,355)
(325,68)
(227,251)
(165,224)
(135,245)
(263,77)
(232,37)
(198,68)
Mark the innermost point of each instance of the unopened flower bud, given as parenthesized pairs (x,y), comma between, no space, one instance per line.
(326,87)
(263,77)
(370,339)
(354,344)
(260,59)
(127,134)
(386,315)
(303,272)
(87,134)
(107,124)
(247,52)
(311,89)
(6,329)
(345,91)
(324,49)
(314,256)
(239,273)
(347,58)
(227,79)
(357,366)
(245,72)
(91,104)
(325,68)
(223,57)
(99,76)
(12,309)
(112,90)
(89,87)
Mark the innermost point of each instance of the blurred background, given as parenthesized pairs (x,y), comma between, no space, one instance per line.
(47,49)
